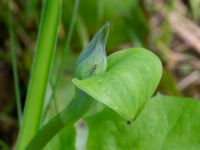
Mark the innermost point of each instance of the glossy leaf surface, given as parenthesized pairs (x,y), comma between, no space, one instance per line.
(166,123)
(131,78)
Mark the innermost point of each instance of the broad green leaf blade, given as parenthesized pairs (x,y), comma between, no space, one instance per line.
(166,123)
(132,77)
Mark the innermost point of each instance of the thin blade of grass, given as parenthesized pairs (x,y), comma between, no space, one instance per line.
(65,52)
(45,51)
(14,64)
(4,145)
(195,5)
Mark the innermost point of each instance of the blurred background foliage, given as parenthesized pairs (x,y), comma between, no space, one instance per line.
(169,28)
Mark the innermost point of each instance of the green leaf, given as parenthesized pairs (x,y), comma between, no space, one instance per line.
(166,123)
(168,84)
(139,26)
(195,5)
(132,77)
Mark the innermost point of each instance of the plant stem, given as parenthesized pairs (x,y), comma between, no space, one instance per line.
(14,65)
(45,51)
(81,102)
(75,110)
(64,56)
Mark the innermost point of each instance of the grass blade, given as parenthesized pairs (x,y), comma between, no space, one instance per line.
(14,64)
(66,48)
(3,145)
(40,71)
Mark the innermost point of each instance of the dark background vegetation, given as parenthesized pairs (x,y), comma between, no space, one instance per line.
(167,27)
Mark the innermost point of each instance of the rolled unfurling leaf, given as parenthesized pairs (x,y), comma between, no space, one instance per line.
(131,78)
(92,60)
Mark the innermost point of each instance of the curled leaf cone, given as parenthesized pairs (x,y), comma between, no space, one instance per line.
(92,60)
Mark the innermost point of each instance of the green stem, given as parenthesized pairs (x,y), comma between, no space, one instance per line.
(14,65)
(75,110)
(45,51)
(66,48)
(93,54)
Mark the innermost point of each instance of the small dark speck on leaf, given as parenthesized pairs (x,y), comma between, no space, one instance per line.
(129,122)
